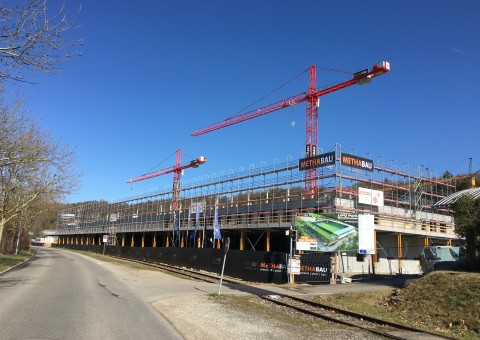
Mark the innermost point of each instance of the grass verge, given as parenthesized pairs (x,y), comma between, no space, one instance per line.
(9,261)
(447,303)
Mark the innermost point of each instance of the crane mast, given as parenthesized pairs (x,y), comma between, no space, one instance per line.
(311,130)
(312,99)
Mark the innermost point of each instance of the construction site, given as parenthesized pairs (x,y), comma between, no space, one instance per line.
(366,215)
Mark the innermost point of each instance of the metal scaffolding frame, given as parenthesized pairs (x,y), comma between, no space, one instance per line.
(269,196)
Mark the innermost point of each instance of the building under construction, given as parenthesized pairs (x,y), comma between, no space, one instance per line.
(335,203)
(258,210)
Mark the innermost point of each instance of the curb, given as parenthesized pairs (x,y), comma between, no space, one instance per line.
(18,264)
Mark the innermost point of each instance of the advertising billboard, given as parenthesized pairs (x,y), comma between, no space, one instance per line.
(356,162)
(366,234)
(316,161)
(329,233)
(371,197)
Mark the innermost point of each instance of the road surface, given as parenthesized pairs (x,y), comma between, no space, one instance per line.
(63,295)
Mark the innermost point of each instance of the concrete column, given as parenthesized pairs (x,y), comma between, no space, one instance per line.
(154,241)
(242,240)
(182,239)
(132,242)
(143,240)
(199,241)
(123,239)
(167,243)
(267,246)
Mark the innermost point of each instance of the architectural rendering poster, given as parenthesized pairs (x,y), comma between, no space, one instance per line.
(326,232)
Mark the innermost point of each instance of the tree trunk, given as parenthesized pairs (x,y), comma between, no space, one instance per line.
(2,225)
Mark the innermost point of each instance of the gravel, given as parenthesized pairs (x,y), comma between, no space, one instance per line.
(203,317)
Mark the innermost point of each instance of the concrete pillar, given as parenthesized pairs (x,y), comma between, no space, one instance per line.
(123,239)
(132,241)
(182,239)
(154,241)
(242,240)
(167,243)
(267,246)
(143,240)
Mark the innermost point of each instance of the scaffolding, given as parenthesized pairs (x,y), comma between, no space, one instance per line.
(269,196)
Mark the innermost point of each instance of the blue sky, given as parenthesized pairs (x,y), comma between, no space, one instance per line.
(151,72)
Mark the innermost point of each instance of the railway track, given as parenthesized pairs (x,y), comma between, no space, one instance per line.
(372,325)
(366,323)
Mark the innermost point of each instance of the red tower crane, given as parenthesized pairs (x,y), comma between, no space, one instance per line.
(177,170)
(311,98)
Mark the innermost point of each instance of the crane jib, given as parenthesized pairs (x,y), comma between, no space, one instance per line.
(360,78)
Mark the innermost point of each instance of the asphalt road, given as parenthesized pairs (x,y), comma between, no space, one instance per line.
(63,295)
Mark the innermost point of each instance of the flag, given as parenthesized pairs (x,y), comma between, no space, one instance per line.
(216,226)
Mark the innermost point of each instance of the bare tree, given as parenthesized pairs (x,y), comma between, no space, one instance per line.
(33,38)
(33,167)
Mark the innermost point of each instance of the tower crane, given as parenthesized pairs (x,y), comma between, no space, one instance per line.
(311,97)
(177,170)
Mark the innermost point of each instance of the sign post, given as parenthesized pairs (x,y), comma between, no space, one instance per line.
(293,267)
(105,240)
(226,246)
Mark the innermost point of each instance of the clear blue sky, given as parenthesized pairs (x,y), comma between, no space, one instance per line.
(151,72)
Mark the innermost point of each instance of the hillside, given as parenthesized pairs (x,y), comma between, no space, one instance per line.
(444,302)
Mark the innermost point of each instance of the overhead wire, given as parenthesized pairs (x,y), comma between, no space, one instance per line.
(271,92)
(149,171)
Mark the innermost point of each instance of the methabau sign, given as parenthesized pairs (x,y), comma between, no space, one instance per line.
(357,162)
(316,161)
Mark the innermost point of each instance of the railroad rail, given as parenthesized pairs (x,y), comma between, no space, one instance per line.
(366,323)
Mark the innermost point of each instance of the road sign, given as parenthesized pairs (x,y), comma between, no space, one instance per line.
(105,238)
(294,266)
